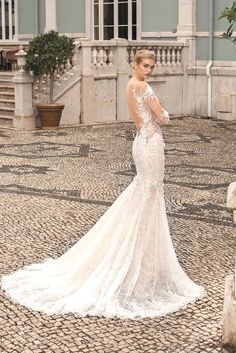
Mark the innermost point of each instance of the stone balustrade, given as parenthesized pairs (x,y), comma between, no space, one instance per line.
(102,54)
(168,54)
(103,68)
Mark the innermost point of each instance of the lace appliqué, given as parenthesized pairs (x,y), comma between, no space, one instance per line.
(147,187)
(149,125)
(142,110)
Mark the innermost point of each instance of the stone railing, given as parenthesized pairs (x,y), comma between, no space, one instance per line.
(168,54)
(103,58)
(102,54)
(103,68)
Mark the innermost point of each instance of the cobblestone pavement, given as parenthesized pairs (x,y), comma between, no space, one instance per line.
(55,185)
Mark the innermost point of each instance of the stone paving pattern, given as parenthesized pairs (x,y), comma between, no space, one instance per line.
(56,184)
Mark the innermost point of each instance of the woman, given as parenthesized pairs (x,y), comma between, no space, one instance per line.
(125,266)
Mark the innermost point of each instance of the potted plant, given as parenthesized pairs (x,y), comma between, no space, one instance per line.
(48,53)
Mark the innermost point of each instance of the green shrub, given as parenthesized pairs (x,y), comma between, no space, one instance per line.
(48,53)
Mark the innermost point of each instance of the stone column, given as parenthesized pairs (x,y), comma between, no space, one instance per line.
(229,310)
(24,114)
(120,62)
(50,15)
(16,35)
(186,31)
(88,20)
(87,83)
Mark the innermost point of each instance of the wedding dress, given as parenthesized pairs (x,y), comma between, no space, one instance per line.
(125,266)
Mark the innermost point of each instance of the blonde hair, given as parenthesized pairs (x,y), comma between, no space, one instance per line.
(144,54)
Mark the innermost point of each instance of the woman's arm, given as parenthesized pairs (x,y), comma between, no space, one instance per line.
(161,115)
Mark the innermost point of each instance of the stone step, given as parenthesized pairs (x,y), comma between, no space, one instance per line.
(6,88)
(6,79)
(6,111)
(7,95)
(6,83)
(6,76)
(7,102)
(7,99)
(6,121)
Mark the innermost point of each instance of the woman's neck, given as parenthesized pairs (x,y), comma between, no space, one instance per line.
(138,78)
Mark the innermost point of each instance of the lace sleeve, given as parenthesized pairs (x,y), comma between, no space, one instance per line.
(143,103)
(161,115)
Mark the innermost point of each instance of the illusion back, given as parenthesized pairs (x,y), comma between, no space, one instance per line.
(148,147)
(140,100)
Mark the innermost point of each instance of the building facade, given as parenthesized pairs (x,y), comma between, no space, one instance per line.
(197,69)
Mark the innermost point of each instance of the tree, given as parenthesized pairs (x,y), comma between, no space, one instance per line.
(48,53)
(230,14)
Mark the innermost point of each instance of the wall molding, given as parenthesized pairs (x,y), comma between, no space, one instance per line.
(175,34)
(216,34)
(219,63)
(75,35)
(158,34)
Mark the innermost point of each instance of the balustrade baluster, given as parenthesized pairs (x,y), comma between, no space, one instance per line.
(154,49)
(94,57)
(128,56)
(178,56)
(110,57)
(105,56)
(163,59)
(68,65)
(100,57)
(75,61)
(162,56)
(158,57)
(173,56)
(132,54)
(68,68)
(168,57)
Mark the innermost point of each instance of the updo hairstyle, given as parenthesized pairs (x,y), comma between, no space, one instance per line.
(143,54)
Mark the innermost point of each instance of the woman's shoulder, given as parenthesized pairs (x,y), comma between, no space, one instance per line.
(136,86)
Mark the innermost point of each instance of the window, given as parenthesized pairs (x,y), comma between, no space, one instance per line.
(115,19)
(7,19)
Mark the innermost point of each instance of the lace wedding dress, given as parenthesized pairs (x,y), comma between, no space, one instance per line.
(125,266)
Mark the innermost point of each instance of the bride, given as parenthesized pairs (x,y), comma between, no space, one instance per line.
(125,266)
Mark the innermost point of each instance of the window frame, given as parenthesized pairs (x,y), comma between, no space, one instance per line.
(115,21)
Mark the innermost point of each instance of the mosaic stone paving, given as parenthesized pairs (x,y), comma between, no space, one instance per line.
(55,185)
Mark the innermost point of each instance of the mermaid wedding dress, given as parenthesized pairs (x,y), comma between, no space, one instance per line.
(125,266)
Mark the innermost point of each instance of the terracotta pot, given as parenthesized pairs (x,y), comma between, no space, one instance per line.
(50,115)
